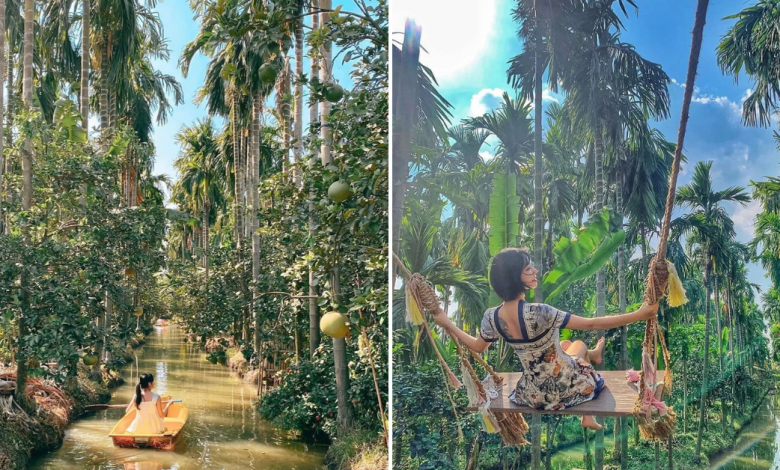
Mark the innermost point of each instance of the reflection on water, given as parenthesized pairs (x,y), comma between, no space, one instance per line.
(758,446)
(223,431)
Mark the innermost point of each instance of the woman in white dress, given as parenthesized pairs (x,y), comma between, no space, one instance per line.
(149,411)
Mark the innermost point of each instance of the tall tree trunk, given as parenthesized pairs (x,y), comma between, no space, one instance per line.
(104,116)
(344,410)
(248,172)
(685,393)
(729,304)
(719,326)
(339,345)
(284,90)
(238,187)
(298,119)
(404,107)
(536,430)
(9,129)
(27,170)
(621,438)
(257,105)
(206,245)
(325,76)
(702,407)
(85,55)
(2,104)
(314,315)
(601,297)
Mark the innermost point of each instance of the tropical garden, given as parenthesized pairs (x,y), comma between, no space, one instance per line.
(274,226)
(583,184)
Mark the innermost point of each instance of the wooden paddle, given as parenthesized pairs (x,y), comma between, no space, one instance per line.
(106,407)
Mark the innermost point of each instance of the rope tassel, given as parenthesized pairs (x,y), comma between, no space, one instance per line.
(676,295)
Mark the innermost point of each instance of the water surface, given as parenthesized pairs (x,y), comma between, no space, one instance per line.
(223,432)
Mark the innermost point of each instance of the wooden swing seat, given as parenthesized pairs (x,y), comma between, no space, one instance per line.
(617,399)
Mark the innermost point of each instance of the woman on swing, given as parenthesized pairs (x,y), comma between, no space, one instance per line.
(555,374)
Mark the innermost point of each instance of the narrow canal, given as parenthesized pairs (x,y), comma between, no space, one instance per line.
(223,432)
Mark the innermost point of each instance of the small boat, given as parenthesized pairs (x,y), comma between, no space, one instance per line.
(174,422)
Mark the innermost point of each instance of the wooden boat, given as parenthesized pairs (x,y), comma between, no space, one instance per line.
(174,422)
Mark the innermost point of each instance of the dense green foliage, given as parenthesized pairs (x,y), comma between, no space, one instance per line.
(600,156)
(243,273)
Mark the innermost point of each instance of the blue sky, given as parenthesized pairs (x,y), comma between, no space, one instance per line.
(180,28)
(469,43)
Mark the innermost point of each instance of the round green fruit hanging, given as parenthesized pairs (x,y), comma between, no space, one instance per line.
(90,360)
(139,311)
(339,191)
(333,92)
(334,324)
(268,72)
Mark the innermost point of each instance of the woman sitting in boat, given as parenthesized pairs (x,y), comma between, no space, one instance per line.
(555,374)
(149,411)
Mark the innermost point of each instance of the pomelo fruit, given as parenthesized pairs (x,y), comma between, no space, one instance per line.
(334,324)
(268,73)
(90,360)
(139,311)
(333,92)
(339,191)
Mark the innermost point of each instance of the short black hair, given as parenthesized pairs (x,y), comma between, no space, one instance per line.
(505,272)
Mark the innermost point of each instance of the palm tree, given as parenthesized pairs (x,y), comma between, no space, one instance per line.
(27,170)
(86,14)
(752,46)
(711,227)
(202,170)
(511,123)
(545,32)
(314,331)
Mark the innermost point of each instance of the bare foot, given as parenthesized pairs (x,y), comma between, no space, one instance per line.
(590,423)
(596,355)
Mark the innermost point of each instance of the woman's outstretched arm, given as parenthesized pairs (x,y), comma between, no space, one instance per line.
(645,312)
(478,344)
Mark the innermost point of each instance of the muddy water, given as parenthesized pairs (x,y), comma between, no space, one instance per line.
(223,432)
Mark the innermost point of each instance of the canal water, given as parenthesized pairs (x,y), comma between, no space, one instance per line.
(223,432)
(758,445)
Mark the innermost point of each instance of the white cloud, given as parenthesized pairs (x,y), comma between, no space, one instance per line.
(484,101)
(486,156)
(548,96)
(455,33)
(744,217)
(720,101)
(745,95)
(488,99)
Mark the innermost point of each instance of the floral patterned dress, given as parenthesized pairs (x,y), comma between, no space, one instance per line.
(551,379)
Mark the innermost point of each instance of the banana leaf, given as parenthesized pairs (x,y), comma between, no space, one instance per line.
(504,210)
(503,213)
(584,254)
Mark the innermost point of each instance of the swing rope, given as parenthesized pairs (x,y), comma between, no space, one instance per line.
(656,421)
